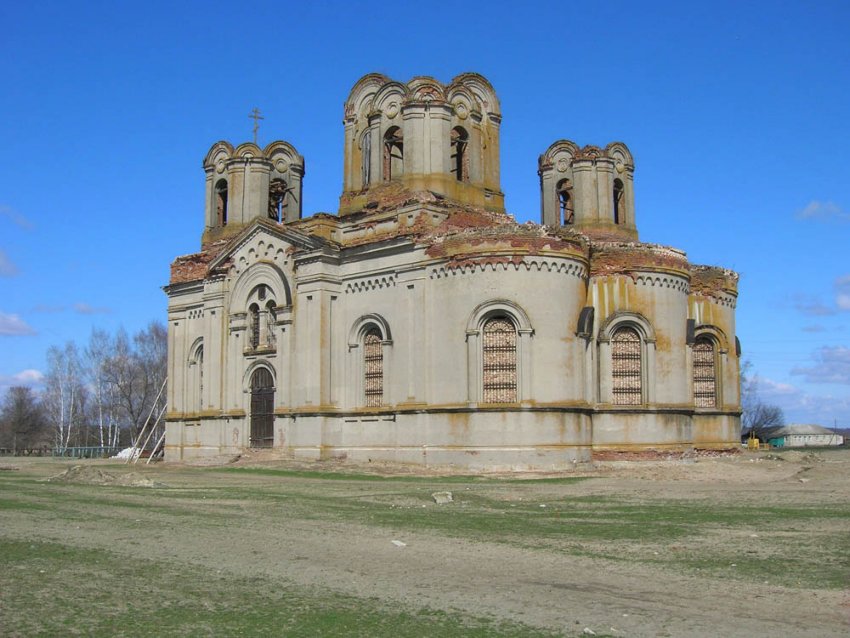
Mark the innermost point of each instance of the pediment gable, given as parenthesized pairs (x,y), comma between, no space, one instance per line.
(263,241)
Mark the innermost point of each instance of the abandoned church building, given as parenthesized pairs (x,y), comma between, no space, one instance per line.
(421,323)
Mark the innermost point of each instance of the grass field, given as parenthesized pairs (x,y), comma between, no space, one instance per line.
(258,551)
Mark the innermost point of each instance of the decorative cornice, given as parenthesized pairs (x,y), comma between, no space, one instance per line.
(382,281)
(538,265)
(663,281)
(721,299)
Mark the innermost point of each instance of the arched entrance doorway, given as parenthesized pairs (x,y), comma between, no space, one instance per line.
(262,408)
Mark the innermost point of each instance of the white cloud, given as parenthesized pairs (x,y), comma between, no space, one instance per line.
(15,217)
(812,307)
(842,292)
(814,328)
(13,325)
(7,267)
(29,377)
(770,389)
(832,365)
(86,309)
(47,308)
(802,407)
(823,211)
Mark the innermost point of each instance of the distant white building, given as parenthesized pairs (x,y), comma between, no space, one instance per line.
(802,435)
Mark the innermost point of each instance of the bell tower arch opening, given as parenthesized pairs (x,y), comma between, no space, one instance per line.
(221,202)
(460,154)
(393,153)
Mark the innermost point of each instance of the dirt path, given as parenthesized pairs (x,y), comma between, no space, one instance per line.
(541,587)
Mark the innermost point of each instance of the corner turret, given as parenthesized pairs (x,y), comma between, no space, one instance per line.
(589,189)
(248,183)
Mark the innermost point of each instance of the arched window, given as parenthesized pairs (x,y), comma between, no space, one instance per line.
(194,396)
(705,373)
(626,367)
(277,200)
(199,361)
(393,153)
(254,325)
(366,157)
(262,408)
(221,202)
(459,154)
(271,319)
(618,201)
(373,368)
(499,347)
(565,201)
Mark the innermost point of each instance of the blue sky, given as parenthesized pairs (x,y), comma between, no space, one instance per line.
(736,113)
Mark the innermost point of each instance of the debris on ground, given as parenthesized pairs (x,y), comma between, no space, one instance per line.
(127,453)
(95,476)
(441,498)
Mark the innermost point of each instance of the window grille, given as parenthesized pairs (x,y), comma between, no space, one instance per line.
(255,326)
(373,364)
(705,379)
(626,367)
(500,375)
(271,319)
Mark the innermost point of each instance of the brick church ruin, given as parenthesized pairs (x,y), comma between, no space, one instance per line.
(422,324)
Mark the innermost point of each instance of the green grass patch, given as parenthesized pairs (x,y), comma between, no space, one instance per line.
(99,593)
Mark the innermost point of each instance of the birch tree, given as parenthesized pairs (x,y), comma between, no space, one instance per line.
(104,408)
(63,386)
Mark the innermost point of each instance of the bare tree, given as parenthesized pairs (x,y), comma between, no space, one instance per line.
(757,416)
(63,387)
(136,373)
(22,420)
(103,394)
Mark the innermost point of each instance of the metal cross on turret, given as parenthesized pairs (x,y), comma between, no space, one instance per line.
(255,115)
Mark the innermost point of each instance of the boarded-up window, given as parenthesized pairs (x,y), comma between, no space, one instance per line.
(705,379)
(373,363)
(626,366)
(499,345)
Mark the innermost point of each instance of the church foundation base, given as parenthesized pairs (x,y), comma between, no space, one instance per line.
(486,440)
